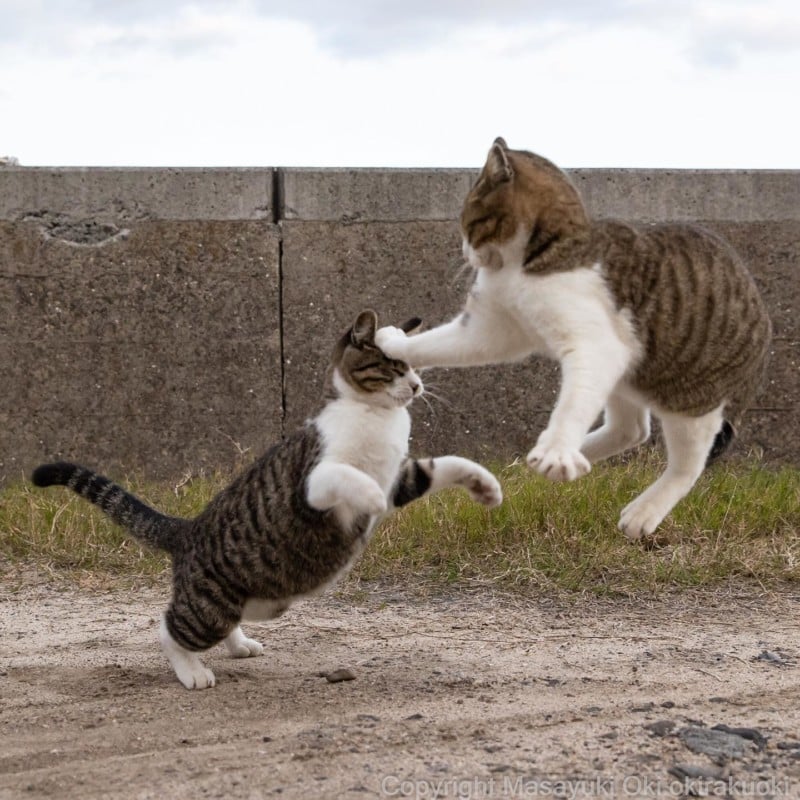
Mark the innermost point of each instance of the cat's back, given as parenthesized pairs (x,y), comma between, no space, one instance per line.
(699,315)
(272,485)
(260,538)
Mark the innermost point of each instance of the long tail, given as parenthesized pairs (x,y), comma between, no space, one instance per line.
(145,523)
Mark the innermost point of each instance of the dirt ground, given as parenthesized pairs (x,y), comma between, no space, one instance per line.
(469,695)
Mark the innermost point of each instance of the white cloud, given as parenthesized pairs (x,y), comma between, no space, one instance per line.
(416,84)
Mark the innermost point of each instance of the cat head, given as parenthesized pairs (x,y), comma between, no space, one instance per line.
(520,207)
(361,371)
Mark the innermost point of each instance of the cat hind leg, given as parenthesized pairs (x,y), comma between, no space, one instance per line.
(689,441)
(186,663)
(240,646)
(626,424)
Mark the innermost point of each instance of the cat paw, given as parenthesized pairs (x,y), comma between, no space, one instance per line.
(370,500)
(392,341)
(558,463)
(195,676)
(483,488)
(639,518)
(245,648)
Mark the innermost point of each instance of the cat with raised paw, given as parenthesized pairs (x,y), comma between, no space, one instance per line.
(296,520)
(658,318)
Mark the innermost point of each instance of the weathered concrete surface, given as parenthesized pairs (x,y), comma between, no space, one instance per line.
(143,313)
(342,253)
(157,352)
(332,271)
(133,194)
(362,195)
(353,195)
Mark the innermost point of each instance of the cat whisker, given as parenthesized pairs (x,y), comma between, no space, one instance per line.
(443,400)
(430,407)
(465,270)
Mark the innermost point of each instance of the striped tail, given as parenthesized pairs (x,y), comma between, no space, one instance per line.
(148,525)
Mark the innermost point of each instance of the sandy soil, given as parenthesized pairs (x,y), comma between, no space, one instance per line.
(468,696)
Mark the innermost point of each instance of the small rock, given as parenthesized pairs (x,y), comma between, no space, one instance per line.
(642,708)
(415,716)
(368,718)
(668,704)
(770,657)
(719,746)
(788,745)
(660,728)
(751,734)
(339,675)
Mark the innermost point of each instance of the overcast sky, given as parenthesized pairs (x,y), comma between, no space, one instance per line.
(605,83)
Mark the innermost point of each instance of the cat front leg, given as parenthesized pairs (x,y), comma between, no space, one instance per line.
(589,375)
(481,334)
(333,484)
(421,477)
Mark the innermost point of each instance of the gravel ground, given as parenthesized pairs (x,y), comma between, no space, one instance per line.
(469,695)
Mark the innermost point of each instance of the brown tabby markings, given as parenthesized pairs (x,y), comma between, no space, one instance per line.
(298,517)
(702,324)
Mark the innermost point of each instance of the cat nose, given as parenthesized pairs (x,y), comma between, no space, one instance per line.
(415,387)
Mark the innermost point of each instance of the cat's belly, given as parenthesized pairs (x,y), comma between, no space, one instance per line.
(256,610)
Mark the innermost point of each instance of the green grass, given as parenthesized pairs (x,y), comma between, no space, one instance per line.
(741,522)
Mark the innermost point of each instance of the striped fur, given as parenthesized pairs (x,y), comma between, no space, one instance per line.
(641,318)
(298,517)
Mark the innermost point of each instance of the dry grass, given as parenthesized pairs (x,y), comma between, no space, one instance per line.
(740,522)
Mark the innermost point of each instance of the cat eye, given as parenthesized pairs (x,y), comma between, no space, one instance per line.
(472,223)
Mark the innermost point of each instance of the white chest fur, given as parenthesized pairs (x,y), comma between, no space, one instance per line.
(371,439)
(558,309)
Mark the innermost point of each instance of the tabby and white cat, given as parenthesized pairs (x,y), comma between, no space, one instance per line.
(653,318)
(296,520)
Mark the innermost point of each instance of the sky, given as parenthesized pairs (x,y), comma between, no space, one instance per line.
(400,83)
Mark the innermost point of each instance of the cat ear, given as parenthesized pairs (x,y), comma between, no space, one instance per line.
(498,167)
(411,325)
(363,330)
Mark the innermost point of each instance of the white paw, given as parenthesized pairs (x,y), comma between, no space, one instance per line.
(640,518)
(193,675)
(369,499)
(484,488)
(558,463)
(392,341)
(245,648)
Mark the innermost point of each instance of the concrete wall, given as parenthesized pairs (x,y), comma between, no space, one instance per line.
(164,321)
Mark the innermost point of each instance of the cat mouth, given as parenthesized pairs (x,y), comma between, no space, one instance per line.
(407,397)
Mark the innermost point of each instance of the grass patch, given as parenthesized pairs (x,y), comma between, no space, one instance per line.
(55,532)
(740,522)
